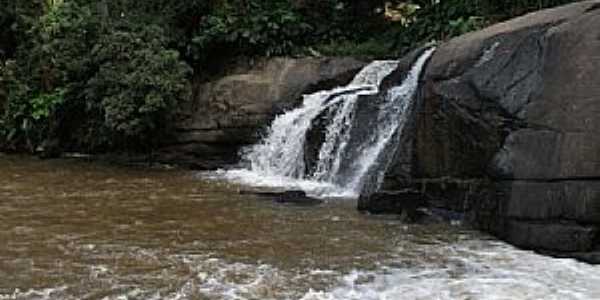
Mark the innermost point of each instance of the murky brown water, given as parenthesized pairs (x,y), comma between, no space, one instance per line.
(78,230)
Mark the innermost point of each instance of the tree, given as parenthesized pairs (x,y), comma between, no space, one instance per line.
(124,90)
(138,86)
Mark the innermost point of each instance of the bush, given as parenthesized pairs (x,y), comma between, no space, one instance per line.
(138,85)
(262,28)
(370,49)
(118,95)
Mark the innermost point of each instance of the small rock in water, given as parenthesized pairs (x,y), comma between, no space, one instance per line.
(404,203)
(293,197)
(297,197)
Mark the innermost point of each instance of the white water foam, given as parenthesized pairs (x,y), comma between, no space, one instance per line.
(278,161)
(473,271)
(281,153)
(42,294)
(255,179)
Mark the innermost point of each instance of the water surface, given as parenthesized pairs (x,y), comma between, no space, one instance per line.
(78,230)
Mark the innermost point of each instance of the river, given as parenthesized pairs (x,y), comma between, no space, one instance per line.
(71,229)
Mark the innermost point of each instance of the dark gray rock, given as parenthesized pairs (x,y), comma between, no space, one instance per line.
(563,237)
(591,257)
(315,138)
(297,198)
(565,200)
(50,148)
(513,111)
(286,197)
(406,202)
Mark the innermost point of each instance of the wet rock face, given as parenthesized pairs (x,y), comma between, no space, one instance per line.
(516,105)
(406,203)
(227,114)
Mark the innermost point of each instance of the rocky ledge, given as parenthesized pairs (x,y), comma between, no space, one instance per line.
(229,113)
(507,131)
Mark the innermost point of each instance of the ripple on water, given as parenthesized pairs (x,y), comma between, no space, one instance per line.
(471,270)
(95,232)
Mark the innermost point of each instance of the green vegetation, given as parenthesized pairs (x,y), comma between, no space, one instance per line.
(92,83)
(105,75)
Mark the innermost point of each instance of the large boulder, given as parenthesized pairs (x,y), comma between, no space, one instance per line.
(508,126)
(227,114)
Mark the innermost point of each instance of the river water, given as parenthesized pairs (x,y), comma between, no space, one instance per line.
(77,230)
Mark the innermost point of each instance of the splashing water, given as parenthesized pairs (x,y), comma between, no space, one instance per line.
(346,160)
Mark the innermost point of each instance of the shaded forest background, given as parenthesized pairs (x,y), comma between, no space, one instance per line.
(111,74)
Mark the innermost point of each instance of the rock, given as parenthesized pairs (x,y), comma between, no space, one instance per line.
(591,257)
(291,197)
(550,236)
(564,200)
(227,114)
(446,215)
(298,198)
(404,202)
(514,112)
(50,148)
(507,92)
(315,138)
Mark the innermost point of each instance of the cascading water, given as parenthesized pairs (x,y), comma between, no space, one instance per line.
(281,152)
(346,160)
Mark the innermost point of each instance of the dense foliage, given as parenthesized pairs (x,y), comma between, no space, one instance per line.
(91,83)
(443,19)
(102,75)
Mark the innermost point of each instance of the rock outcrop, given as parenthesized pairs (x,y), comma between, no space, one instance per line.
(507,130)
(229,113)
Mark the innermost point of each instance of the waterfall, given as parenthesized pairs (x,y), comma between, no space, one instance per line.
(281,152)
(353,152)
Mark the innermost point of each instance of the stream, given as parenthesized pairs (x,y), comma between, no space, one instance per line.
(71,229)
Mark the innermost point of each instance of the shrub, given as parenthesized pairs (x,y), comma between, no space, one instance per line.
(262,28)
(370,49)
(138,85)
(119,94)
